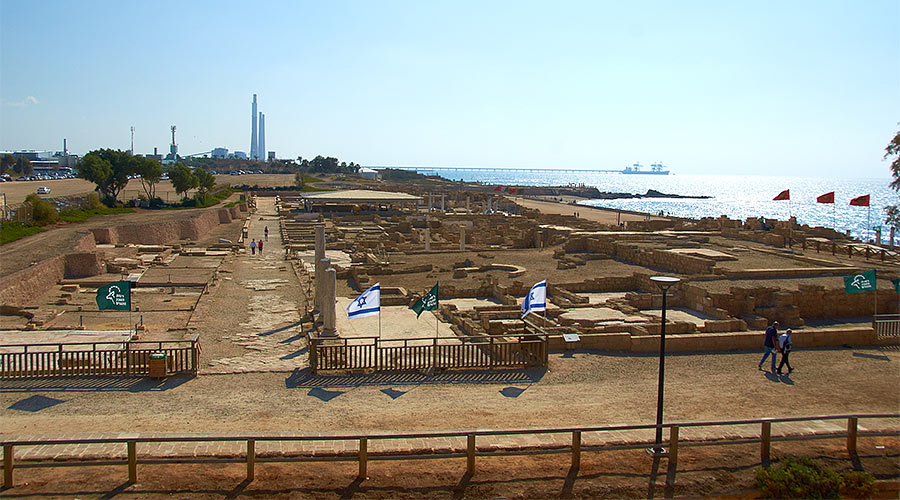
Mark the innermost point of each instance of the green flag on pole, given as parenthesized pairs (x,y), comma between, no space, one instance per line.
(427,303)
(116,295)
(896,283)
(862,282)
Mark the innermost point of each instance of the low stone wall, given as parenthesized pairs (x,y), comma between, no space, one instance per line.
(731,341)
(83,264)
(159,233)
(21,287)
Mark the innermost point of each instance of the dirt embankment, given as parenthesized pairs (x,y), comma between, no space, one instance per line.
(32,265)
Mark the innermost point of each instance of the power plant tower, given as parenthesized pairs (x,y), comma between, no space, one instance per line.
(254,150)
(262,137)
(132,141)
(173,148)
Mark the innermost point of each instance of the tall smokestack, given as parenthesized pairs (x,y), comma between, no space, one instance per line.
(65,149)
(254,151)
(262,137)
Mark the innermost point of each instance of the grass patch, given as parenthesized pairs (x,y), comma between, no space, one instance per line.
(82,215)
(12,231)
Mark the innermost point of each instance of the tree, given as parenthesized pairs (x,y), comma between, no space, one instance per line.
(23,166)
(150,172)
(892,212)
(205,181)
(6,162)
(183,180)
(109,170)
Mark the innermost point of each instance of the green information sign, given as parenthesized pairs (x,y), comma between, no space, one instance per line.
(862,282)
(116,296)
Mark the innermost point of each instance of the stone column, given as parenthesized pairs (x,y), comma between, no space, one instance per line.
(892,238)
(417,206)
(468,212)
(427,239)
(329,318)
(538,239)
(443,210)
(462,237)
(319,270)
(430,202)
(878,236)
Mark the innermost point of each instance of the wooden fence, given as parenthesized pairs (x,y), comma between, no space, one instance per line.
(887,325)
(489,446)
(374,353)
(867,250)
(87,359)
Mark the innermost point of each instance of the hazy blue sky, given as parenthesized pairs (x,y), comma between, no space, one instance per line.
(782,87)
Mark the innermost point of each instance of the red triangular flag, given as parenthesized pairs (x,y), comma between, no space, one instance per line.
(784,195)
(826,198)
(498,188)
(861,201)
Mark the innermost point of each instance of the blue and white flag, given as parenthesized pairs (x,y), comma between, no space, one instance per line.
(367,304)
(536,300)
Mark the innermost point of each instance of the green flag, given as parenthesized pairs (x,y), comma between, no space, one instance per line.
(862,282)
(896,283)
(116,295)
(427,303)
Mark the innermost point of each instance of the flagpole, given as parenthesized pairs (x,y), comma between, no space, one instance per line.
(875,316)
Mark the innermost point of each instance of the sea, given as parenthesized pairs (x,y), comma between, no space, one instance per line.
(735,196)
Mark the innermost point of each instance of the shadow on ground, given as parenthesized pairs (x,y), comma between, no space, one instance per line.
(93,384)
(302,378)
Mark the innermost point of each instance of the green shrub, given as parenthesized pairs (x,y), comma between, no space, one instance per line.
(12,231)
(92,202)
(798,477)
(42,211)
(858,484)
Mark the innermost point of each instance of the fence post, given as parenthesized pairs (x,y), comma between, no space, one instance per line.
(766,443)
(491,352)
(852,432)
(434,356)
(7,466)
(128,359)
(673,454)
(470,454)
(576,449)
(251,459)
(132,461)
(363,457)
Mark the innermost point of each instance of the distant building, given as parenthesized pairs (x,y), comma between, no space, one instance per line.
(271,156)
(220,153)
(239,155)
(370,174)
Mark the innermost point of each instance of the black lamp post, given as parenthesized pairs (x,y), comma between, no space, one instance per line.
(664,283)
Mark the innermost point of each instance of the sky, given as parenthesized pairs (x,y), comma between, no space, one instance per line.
(797,88)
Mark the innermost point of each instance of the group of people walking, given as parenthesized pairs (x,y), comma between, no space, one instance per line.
(254,245)
(775,344)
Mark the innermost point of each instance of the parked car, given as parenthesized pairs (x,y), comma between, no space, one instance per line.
(43,190)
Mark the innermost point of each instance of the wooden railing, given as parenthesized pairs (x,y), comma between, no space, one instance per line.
(887,325)
(374,353)
(362,456)
(86,359)
(851,249)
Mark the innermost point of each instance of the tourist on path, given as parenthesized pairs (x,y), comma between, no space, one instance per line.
(267,236)
(769,344)
(253,247)
(260,246)
(785,345)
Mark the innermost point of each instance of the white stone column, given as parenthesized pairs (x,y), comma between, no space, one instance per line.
(468,212)
(318,269)
(462,237)
(878,236)
(538,239)
(329,317)
(430,202)
(427,239)
(443,210)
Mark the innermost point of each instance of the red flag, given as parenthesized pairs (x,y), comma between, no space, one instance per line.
(861,201)
(826,198)
(498,188)
(512,190)
(784,195)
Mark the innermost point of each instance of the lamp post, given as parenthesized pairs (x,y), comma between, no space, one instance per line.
(664,283)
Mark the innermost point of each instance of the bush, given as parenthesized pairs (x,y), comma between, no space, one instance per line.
(42,211)
(798,477)
(858,484)
(92,202)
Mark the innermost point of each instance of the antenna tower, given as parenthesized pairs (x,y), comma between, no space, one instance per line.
(132,140)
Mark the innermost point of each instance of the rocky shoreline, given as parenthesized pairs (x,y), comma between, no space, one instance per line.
(596,194)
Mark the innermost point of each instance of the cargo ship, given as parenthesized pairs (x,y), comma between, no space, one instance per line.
(655,169)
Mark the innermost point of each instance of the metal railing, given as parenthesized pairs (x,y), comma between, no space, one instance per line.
(489,449)
(887,325)
(87,359)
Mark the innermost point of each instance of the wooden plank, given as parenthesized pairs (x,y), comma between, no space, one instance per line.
(852,432)
(251,459)
(765,447)
(363,458)
(132,462)
(7,466)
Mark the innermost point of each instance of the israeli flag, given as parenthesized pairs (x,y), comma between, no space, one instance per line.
(536,300)
(367,304)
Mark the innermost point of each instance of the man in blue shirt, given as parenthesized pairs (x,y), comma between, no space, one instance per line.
(771,338)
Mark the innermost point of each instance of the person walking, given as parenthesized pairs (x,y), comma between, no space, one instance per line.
(267,233)
(253,247)
(785,345)
(769,344)
(260,246)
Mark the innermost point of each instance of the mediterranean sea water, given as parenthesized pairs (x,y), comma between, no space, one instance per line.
(735,196)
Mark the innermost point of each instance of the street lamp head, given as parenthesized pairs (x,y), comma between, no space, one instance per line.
(664,282)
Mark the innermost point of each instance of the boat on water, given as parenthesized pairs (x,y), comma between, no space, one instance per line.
(655,169)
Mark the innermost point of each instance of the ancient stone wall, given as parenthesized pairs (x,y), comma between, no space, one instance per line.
(28,284)
(83,264)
